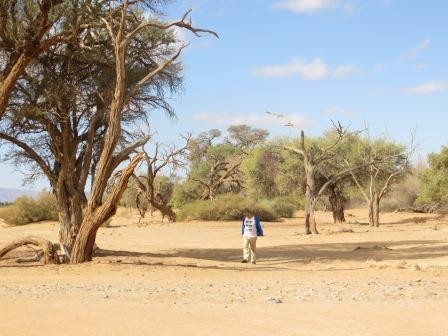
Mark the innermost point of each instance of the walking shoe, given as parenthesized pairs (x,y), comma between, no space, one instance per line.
(244,261)
(253,262)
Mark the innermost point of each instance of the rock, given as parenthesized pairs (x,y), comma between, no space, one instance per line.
(274,300)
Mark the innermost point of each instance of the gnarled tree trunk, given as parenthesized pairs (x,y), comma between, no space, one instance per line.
(94,217)
(337,201)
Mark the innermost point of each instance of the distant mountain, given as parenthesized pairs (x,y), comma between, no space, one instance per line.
(9,195)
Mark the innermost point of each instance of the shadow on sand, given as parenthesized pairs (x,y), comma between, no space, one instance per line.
(278,257)
(304,253)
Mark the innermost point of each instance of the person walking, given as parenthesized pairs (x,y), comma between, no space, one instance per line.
(251,230)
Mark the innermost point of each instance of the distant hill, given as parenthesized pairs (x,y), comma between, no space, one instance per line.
(9,195)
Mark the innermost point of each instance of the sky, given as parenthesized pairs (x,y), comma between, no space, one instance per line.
(380,64)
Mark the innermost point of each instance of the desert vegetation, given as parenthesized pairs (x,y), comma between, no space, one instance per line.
(69,108)
(27,210)
(138,227)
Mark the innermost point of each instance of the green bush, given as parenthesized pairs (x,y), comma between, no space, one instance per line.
(229,207)
(27,210)
(434,188)
(282,207)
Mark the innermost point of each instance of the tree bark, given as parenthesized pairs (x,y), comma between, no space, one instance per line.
(7,84)
(337,201)
(376,210)
(307,212)
(310,195)
(95,217)
(49,251)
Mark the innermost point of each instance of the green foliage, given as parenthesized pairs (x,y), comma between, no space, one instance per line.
(261,168)
(27,210)
(245,137)
(435,180)
(271,171)
(186,192)
(291,178)
(282,206)
(230,207)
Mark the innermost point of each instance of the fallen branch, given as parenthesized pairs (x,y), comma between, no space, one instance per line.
(48,249)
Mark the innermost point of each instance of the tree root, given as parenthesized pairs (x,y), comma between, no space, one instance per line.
(47,250)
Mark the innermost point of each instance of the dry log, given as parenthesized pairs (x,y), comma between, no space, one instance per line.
(49,254)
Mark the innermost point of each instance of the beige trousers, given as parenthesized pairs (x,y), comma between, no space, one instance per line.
(249,247)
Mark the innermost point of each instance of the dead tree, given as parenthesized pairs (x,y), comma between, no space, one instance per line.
(149,194)
(97,211)
(313,161)
(222,174)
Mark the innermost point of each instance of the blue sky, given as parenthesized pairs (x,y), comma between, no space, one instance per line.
(377,62)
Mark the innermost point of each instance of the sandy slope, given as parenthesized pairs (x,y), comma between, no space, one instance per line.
(186,279)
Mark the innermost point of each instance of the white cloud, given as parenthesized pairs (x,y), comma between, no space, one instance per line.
(313,6)
(305,6)
(224,119)
(426,88)
(309,70)
(413,53)
(342,71)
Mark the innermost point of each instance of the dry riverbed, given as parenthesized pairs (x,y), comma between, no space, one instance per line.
(186,279)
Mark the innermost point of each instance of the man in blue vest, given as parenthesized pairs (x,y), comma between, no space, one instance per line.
(250,230)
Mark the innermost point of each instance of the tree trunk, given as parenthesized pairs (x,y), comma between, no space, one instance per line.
(312,218)
(85,240)
(165,210)
(376,210)
(96,214)
(70,217)
(307,212)
(310,197)
(312,223)
(370,207)
(337,201)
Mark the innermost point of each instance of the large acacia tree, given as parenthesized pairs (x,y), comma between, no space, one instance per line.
(30,28)
(73,117)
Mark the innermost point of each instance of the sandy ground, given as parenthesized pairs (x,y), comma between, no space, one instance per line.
(187,279)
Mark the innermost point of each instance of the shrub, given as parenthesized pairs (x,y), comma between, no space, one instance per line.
(434,179)
(229,207)
(27,210)
(282,206)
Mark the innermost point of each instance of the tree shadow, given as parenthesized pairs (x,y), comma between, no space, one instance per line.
(304,253)
(272,257)
(417,220)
